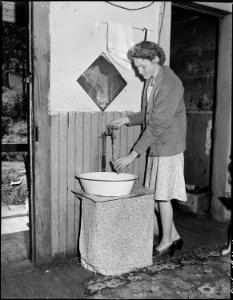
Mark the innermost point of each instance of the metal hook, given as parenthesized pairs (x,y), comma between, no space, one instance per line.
(146,30)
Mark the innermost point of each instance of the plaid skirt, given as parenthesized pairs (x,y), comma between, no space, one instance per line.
(165,174)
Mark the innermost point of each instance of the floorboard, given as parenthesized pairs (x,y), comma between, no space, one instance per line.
(35,279)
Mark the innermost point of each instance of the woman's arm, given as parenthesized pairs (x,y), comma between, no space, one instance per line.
(136,119)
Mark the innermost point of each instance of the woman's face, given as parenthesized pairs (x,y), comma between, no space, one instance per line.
(146,67)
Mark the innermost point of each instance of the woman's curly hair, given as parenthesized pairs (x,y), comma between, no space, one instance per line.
(147,50)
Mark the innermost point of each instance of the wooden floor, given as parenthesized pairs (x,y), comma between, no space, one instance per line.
(65,279)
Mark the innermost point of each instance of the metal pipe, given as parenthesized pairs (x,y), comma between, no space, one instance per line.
(108,132)
(103,152)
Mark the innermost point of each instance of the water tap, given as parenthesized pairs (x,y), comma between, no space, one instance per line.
(109,131)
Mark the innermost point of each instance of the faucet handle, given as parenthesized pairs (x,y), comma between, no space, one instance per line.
(110,131)
(109,128)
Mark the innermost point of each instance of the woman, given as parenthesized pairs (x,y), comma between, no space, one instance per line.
(163,117)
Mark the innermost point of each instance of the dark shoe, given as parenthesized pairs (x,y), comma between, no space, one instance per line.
(178,244)
(169,250)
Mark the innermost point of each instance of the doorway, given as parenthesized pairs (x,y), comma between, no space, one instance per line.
(16,194)
(194,45)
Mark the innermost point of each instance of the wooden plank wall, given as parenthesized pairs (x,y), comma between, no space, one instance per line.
(197,163)
(76,147)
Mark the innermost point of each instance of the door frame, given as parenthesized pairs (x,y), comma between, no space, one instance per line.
(30,139)
(40,127)
(222,124)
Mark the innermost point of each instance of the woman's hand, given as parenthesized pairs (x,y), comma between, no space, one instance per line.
(122,162)
(115,124)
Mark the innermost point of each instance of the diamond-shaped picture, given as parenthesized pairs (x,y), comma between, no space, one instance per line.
(102,82)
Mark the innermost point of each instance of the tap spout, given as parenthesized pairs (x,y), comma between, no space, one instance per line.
(109,132)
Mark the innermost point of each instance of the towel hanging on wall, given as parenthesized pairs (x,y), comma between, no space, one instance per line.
(119,41)
(208,138)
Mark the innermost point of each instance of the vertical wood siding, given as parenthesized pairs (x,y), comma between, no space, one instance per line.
(76,147)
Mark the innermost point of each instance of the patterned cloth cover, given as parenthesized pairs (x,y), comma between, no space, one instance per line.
(117,236)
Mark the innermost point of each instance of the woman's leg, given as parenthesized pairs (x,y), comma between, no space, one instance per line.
(166,215)
(157,227)
(158,223)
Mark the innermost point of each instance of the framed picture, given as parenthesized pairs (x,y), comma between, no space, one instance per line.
(102,81)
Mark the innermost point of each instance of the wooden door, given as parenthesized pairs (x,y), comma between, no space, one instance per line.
(193,53)
(200,169)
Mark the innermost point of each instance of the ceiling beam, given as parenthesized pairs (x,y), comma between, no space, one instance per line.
(201,8)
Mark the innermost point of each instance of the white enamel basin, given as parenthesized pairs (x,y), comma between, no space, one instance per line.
(107,183)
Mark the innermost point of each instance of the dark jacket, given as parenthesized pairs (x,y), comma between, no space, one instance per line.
(163,117)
